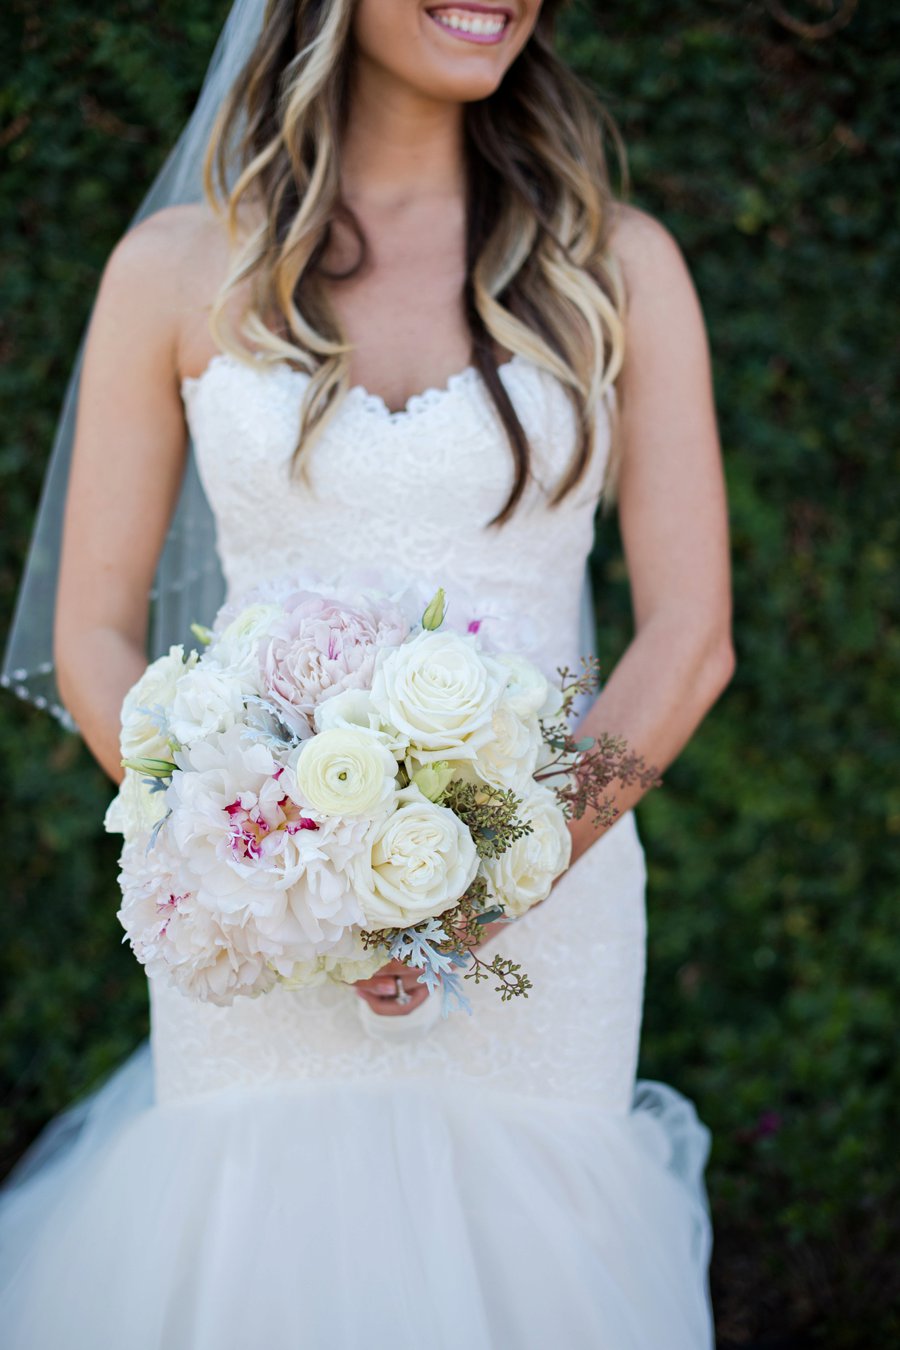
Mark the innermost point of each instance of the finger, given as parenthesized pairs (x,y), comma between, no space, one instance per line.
(377,985)
(389,1007)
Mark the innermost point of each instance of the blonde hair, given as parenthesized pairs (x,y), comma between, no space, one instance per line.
(540,280)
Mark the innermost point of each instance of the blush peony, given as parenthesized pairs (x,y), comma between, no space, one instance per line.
(320,647)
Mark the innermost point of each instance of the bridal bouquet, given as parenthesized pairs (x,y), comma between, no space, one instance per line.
(336,782)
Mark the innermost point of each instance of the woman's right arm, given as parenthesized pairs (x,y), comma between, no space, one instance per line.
(127,464)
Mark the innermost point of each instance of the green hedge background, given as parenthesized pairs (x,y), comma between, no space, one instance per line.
(763,136)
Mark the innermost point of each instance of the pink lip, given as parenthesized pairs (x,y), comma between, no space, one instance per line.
(468,5)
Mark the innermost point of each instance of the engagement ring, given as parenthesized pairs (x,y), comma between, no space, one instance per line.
(402,996)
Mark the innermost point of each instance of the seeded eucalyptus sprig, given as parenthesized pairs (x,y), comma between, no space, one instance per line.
(588,766)
(489,813)
(450,942)
(573,683)
(585,767)
(461,926)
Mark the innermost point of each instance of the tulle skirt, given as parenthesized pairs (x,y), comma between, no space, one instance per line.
(394,1215)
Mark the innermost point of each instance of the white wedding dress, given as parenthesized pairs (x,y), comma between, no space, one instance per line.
(296,1173)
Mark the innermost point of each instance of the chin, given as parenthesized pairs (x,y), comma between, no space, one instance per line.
(470,47)
(453,52)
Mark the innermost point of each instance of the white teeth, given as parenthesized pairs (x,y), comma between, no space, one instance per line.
(481,25)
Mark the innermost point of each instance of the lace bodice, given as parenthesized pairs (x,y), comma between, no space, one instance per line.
(417,488)
(414,488)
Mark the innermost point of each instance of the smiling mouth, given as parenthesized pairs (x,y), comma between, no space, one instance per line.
(471,23)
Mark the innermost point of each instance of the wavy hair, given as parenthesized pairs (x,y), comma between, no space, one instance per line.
(540,279)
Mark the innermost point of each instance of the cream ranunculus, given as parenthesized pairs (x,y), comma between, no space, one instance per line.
(440,692)
(145,731)
(525,873)
(344,772)
(422,860)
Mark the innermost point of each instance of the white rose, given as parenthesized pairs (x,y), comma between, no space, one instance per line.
(305,974)
(523,875)
(512,754)
(135,808)
(440,692)
(350,969)
(207,700)
(344,772)
(422,860)
(528,691)
(145,708)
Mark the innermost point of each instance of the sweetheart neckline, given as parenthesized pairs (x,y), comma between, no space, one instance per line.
(426,398)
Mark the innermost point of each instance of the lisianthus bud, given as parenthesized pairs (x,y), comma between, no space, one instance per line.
(431,779)
(434,614)
(151,768)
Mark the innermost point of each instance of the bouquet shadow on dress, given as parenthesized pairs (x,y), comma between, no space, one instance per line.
(342,778)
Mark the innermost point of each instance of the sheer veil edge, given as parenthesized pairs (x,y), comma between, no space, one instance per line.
(189,586)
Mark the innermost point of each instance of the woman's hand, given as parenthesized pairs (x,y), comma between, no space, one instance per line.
(380,990)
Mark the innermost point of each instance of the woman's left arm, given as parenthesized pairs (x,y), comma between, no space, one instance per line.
(673,517)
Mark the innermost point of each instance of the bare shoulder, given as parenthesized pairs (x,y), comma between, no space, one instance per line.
(164,248)
(163,274)
(648,253)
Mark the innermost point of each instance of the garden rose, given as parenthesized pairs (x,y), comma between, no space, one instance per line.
(145,729)
(524,874)
(528,691)
(354,708)
(440,692)
(422,860)
(512,752)
(134,809)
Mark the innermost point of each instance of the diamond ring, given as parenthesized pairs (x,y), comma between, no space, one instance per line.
(402,996)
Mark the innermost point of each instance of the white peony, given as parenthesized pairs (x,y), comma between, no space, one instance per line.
(206,700)
(259,857)
(231,817)
(313,917)
(524,874)
(440,692)
(344,772)
(145,733)
(175,938)
(422,860)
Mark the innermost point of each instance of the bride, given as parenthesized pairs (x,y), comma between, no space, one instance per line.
(407,324)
